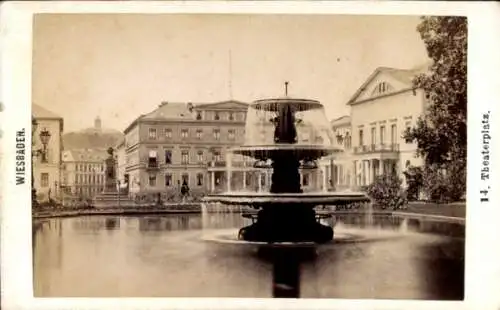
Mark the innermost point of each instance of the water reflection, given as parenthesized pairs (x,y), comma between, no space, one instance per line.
(170,222)
(164,256)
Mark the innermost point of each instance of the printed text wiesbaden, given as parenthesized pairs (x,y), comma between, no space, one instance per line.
(20,157)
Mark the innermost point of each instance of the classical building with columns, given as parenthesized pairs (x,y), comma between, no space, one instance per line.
(338,166)
(381,110)
(184,142)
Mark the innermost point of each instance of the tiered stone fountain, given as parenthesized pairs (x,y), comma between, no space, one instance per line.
(286,218)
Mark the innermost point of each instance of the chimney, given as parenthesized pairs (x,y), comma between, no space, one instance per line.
(97,123)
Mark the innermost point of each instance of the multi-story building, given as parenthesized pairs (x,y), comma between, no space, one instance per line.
(47,147)
(339,168)
(83,173)
(380,111)
(183,142)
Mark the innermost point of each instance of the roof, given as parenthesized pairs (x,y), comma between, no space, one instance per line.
(40,112)
(179,111)
(343,120)
(243,105)
(85,155)
(402,75)
(171,110)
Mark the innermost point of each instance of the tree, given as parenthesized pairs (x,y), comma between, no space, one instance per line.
(441,133)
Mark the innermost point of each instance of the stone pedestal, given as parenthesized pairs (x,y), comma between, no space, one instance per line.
(111,197)
(112,200)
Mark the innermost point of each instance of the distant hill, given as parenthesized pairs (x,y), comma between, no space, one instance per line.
(91,139)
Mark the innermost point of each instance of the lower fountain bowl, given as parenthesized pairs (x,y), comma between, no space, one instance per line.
(258,200)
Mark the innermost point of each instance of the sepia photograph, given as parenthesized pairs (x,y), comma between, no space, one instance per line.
(249,155)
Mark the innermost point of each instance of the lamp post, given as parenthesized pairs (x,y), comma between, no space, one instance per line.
(34,126)
(44,138)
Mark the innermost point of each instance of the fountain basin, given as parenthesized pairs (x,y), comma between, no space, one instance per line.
(300,152)
(258,200)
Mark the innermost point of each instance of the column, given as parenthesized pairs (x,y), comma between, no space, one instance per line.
(323,171)
(371,174)
(212,181)
(229,169)
(244,179)
(354,174)
(259,179)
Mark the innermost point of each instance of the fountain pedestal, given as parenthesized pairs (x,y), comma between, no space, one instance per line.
(286,223)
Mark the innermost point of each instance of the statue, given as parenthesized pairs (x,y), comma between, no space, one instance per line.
(184,190)
(110,180)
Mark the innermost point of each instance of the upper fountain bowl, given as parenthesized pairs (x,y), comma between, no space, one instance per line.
(287,124)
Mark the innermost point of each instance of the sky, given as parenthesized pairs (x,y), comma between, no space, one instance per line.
(118,66)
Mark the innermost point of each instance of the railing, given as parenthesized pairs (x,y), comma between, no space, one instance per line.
(372,148)
(152,165)
(223,163)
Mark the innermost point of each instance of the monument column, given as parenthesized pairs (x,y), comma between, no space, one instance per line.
(110,178)
(244,179)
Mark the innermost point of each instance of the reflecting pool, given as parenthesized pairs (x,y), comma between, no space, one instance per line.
(171,256)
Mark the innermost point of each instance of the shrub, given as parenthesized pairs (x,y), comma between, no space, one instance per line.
(387,192)
(415,181)
(444,184)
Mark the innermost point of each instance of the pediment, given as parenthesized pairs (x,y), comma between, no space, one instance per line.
(223,105)
(383,81)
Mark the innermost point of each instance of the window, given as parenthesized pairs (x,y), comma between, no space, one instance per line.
(263,179)
(184,133)
(185,178)
(199,134)
(408,128)
(44,179)
(185,157)
(152,159)
(152,133)
(394,133)
(216,116)
(231,116)
(382,134)
(152,180)
(200,156)
(361,142)
(374,141)
(230,133)
(168,157)
(199,116)
(305,179)
(347,140)
(216,134)
(168,179)
(217,156)
(168,133)
(199,179)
